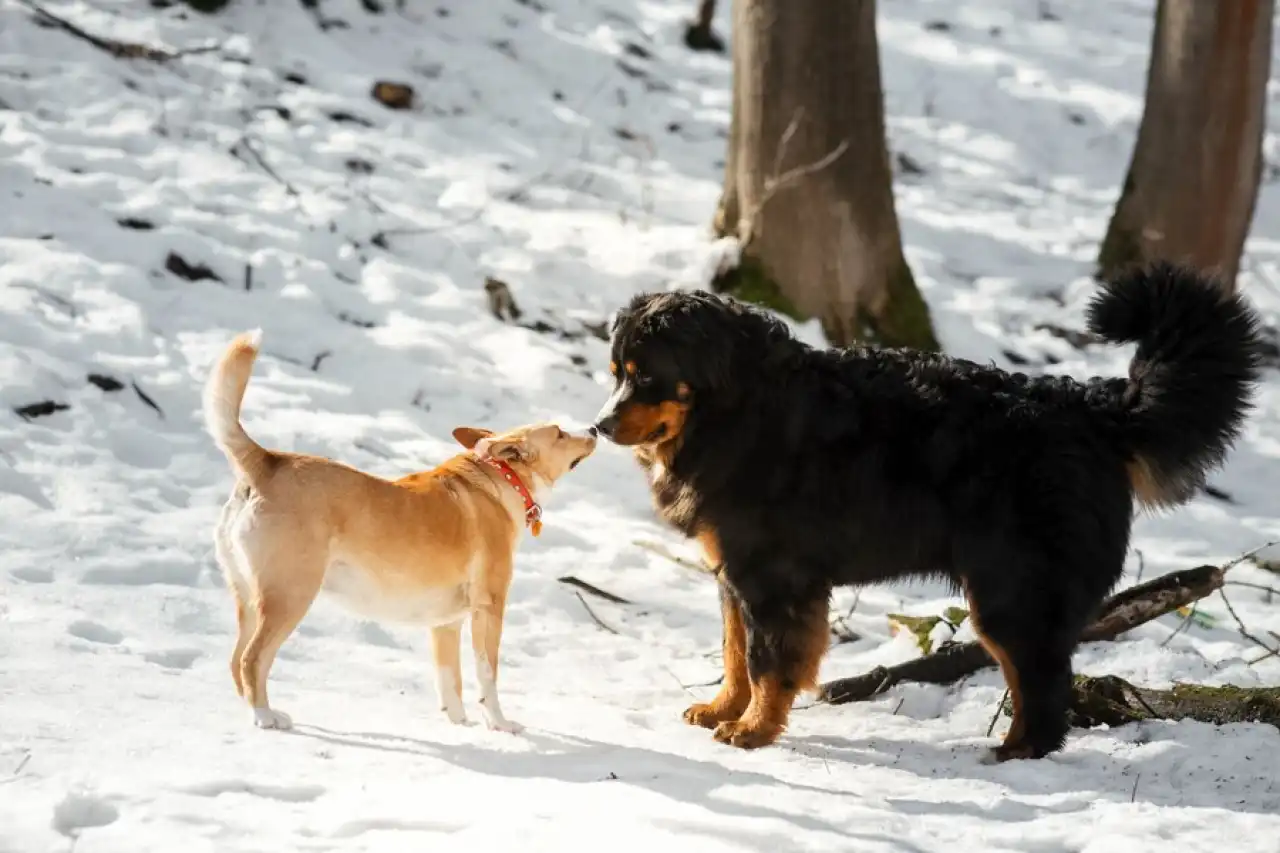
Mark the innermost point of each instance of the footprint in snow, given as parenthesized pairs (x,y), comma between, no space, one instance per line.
(93,632)
(173,658)
(78,812)
(32,575)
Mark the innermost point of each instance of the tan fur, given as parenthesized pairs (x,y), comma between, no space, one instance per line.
(431,548)
(769,710)
(1146,487)
(731,702)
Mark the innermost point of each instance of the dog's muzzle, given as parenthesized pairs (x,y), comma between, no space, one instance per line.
(607,418)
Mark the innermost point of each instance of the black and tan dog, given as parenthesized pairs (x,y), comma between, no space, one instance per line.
(802,469)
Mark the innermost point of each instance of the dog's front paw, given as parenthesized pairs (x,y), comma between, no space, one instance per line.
(708,715)
(269,718)
(504,725)
(746,735)
(457,716)
(1001,754)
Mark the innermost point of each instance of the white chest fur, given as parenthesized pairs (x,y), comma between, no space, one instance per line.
(379,598)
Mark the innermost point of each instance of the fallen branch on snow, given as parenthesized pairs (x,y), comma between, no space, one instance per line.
(596,619)
(570,580)
(1112,701)
(1122,612)
(120,49)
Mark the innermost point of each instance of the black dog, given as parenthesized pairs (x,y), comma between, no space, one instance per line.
(801,469)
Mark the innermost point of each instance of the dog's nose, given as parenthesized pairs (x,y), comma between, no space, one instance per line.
(606,426)
(592,431)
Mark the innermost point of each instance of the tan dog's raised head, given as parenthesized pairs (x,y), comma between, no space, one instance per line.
(543,450)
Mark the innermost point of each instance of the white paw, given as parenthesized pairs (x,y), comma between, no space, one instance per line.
(267,718)
(505,725)
(456,714)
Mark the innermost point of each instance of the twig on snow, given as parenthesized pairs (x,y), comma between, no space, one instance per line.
(1249,555)
(120,49)
(1271,651)
(1269,590)
(244,142)
(570,580)
(146,398)
(594,618)
(1182,626)
(999,706)
(655,548)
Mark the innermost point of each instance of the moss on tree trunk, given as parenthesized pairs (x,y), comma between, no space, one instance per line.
(904,320)
(751,282)
(807,188)
(1112,701)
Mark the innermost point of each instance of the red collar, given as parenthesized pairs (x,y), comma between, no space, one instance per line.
(532,512)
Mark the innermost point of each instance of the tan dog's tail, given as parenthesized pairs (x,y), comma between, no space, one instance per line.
(222,396)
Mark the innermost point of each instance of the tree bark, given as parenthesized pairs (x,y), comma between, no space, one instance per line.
(826,245)
(1192,182)
(1122,612)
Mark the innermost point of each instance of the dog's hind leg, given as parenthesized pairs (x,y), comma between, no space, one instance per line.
(1030,633)
(446,641)
(786,640)
(239,587)
(286,577)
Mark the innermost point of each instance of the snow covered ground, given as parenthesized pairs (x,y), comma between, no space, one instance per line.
(571,148)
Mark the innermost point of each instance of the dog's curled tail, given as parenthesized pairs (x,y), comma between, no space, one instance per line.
(1191,381)
(223,393)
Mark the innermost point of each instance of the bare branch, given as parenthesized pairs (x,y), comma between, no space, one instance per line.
(783,142)
(570,580)
(596,619)
(244,142)
(996,715)
(1269,590)
(1271,651)
(749,225)
(1249,555)
(1182,626)
(655,548)
(120,49)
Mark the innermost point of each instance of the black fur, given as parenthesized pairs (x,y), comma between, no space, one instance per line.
(818,468)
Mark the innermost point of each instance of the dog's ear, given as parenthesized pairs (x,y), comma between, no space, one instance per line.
(468,436)
(507,449)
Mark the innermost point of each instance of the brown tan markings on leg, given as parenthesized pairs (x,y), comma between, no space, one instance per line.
(1013,746)
(735,689)
(803,645)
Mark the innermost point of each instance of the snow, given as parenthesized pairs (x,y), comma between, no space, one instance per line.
(571,148)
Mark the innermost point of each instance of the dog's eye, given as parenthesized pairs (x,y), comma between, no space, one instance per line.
(560,434)
(642,380)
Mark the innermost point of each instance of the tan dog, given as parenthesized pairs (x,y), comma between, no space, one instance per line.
(429,549)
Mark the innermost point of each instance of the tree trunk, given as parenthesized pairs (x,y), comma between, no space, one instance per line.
(826,245)
(1192,183)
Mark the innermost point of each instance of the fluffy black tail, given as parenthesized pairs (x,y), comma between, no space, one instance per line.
(1191,381)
